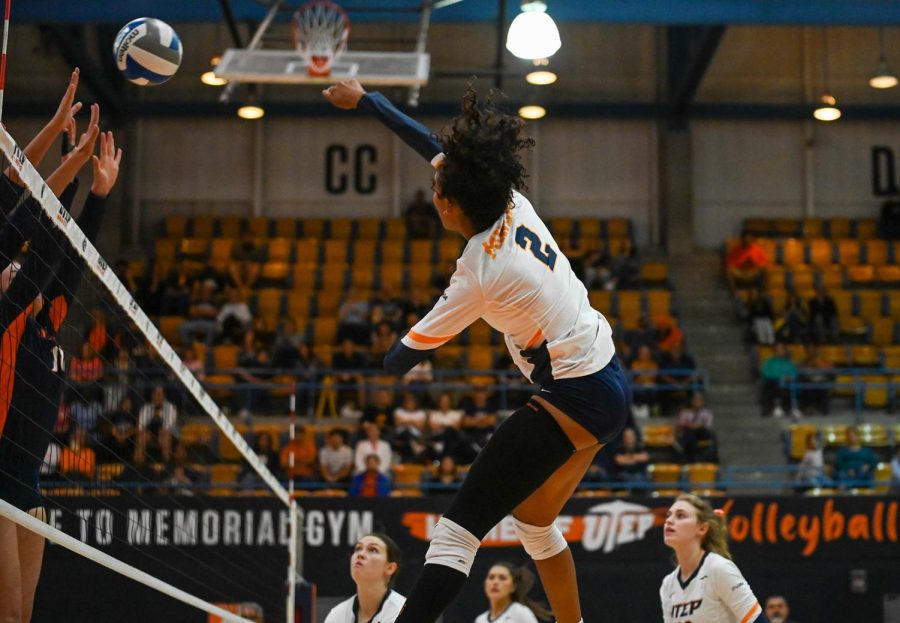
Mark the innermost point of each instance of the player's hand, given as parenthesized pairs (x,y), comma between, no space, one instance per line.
(106,166)
(69,135)
(68,107)
(85,147)
(345,94)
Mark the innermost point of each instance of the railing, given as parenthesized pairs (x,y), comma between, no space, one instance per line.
(857,386)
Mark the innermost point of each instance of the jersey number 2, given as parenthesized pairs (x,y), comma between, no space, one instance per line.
(527,239)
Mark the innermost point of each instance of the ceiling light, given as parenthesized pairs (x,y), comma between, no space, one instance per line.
(210,78)
(540,77)
(215,60)
(827,110)
(532,111)
(251,111)
(533,34)
(884,78)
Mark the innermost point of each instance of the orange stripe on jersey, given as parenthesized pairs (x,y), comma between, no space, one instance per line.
(536,339)
(427,339)
(754,610)
(9,349)
(59,308)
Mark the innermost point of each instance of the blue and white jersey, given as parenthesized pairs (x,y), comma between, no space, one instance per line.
(715,593)
(348,610)
(515,277)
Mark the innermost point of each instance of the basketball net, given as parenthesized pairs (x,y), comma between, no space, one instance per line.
(321,29)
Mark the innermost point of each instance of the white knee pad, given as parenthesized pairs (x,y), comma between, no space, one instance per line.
(540,542)
(452,546)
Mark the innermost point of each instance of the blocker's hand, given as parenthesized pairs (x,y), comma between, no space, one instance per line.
(106,167)
(345,94)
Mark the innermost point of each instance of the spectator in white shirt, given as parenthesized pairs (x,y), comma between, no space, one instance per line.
(444,424)
(157,421)
(234,317)
(372,444)
(409,429)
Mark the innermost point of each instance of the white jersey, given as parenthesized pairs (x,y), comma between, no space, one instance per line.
(346,611)
(515,613)
(514,276)
(715,593)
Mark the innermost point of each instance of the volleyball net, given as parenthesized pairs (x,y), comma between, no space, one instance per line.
(116,438)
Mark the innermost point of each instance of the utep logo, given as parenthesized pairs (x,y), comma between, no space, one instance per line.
(18,159)
(611,525)
(686,609)
(63,216)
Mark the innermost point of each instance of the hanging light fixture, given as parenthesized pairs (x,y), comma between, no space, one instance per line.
(827,109)
(533,34)
(251,110)
(541,74)
(209,77)
(532,112)
(883,78)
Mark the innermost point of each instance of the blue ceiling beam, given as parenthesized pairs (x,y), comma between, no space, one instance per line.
(662,12)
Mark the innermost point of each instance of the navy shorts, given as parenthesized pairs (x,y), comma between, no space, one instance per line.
(598,401)
(20,485)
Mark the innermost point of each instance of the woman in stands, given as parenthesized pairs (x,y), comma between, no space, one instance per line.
(34,303)
(512,274)
(707,587)
(373,566)
(506,587)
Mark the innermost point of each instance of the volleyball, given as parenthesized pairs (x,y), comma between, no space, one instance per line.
(147,51)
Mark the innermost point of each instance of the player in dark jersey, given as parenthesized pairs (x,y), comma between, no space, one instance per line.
(32,309)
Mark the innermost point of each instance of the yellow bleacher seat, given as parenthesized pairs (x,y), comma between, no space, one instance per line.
(836,354)
(273,431)
(394,229)
(194,248)
(392,251)
(314,228)
(659,303)
(820,252)
(298,305)
(368,228)
(561,228)
(659,435)
(831,277)
(166,250)
(286,227)
(362,276)
(275,273)
(888,276)
(203,226)
(664,473)
(420,276)
(843,300)
(220,250)
(406,493)
(223,474)
(391,274)
(629,308)
(328,301)
(227,451)
(175,226)
(196,434)
(834,434)
(848,250)
(268,303)
(876,252)
(792,252)
(875,391)
(654,273)
(307,251)
(230,226)
(778,299)
(774,277)
(335,251)
(802,277)
(324,330)
(364,252)
(756,226)
(701,474)
(617,228)
(330,493)
(421,251)
(883,478)
(341,228)
(589,229)
(110,471)
(480,357)
(448,250)
(334,276)
(225,356)
(866,228)
(797,439)
(168,326)
(601,300)
(280,250)
(882,331)
(869,303)
(480,333)
(893,297)
(839,227)
(812,228)
(258,226)
(449,356)
(408,475)
(768,247)
(861,275)
(786,226)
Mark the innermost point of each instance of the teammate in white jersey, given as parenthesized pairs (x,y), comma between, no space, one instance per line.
(513,275)
(707,587)
(506,587)
(373,567)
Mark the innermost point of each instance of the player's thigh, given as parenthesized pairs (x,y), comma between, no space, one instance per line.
(31,556)
(10,572)
(543,506)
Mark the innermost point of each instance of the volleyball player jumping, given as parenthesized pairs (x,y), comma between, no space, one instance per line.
(34,303)
(512,274)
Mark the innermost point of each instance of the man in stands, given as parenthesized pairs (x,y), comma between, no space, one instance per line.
(745,263)
(777,610)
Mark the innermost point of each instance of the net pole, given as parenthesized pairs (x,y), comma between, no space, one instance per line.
(83,549)
(292,509)
(3,54)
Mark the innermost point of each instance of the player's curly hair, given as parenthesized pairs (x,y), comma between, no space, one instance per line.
(481,160)
(716,538)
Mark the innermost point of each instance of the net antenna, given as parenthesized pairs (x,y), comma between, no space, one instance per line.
(3,53)
(320,31)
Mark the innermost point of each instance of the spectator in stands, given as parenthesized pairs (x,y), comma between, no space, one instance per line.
(201,316)
(246,261)
(420,377)
(625,267)
(252,377)
(348,363)
(819,372)
(234,317)
(264,449)
(479,418)
(265,333)
(761,317)
(383,337)
(77,460)
(444,424)
(85,372)
(811,469)
(304,450)
(667,334)
(306,373)
(119,439)
(777,610)
(695,434)
(193,363)
(353,318)
(285,353)
(336,459)
(745,263)
(855,465)
(409,429)
(642,335)
(777,369)
(793,326)
(175,290)
(85,415)
(179,482)
(373,444)
(644,369)
(117,381)
(630,459)
(157,425)
(823,318)
(679,371)
(421,217)
(446,478)
(372,482)
(380,412)
(388,307)
(101,335)
(596,268)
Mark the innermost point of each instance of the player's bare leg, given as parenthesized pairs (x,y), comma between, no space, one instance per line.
(31,557)
(10,574)
(542,507)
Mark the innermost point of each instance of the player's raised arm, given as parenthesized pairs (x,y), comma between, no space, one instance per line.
(349,95)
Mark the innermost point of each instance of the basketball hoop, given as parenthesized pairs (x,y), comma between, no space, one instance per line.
(321,29)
